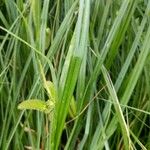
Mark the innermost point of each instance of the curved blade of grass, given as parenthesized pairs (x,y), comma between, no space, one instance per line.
(119,113)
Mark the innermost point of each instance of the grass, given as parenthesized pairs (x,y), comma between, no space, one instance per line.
(96,54)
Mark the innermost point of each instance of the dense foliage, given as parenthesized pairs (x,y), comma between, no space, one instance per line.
(96,53)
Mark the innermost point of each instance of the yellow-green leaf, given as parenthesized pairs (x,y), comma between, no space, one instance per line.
(52,90)
(72,108)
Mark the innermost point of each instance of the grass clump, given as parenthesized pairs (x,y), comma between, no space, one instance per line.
(85,64)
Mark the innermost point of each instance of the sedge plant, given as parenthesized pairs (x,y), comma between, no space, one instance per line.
(74,74)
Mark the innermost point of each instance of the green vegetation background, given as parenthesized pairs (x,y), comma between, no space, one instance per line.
(97,51)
